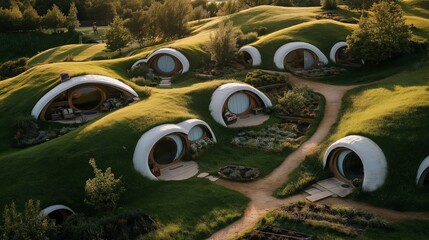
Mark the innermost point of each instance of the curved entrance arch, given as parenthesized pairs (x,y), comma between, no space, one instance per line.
(357,157)
(307,55)
(250,56)
(422,178)
(59,213)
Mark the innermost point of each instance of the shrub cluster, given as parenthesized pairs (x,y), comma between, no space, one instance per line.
(244,39)
(103,191)
(271,138)
(239,173)
(258,78)
(28,224)
(12,68)
(130,225)
(299,101)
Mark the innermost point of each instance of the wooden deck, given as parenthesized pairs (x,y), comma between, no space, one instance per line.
(250,120)
(179,171)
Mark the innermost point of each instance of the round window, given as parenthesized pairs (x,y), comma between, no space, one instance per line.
(86,98)
(350,165)
(195,134)
(166,64)
(239,103)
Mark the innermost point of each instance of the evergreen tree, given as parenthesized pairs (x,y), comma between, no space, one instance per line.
(117,35)
(72,22)
(328,4)
(54,18)
(31,20)
(381,35)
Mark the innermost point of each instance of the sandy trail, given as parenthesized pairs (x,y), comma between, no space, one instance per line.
(260,192)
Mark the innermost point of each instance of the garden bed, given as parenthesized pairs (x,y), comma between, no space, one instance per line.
(272,232)
(239,173)
(346,221)
(274,138)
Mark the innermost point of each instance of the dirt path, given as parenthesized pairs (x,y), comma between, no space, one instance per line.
(260,192)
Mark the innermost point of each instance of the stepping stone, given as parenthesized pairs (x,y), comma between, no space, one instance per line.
(317,186)
(330,183)
(203,175)
(211,178)
(342,191)
(312,191)
(319,196)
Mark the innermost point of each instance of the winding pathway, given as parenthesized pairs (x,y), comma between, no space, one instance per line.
(260,192)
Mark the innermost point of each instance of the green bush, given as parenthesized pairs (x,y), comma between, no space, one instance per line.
(260,30)
(28,224)
(130,225)
(141,81)
(258,78)
(243,39)
(103,191)
(222,44)
(305,180)
(328,4)
(12,68)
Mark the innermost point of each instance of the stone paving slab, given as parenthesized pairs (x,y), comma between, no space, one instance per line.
(211,178)
(317,186)
(312,191)
(341,191)
(330,183)
(203,175)
(319,196)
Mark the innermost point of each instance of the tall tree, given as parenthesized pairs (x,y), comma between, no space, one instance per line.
(31,20)
(173,17)
(72,22)
(381,34)
(54,18)
(10,19)
(142,27)
(117,35)
(362,4)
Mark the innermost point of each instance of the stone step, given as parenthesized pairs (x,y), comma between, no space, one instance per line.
(317,186)
(319,196)
(312,191)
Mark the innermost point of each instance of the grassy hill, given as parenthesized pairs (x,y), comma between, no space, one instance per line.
(77,52)
(56,171)
(392,112)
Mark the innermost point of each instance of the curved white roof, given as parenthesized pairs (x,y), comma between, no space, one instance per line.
(149,138)
(53,208)
(254,53)
(334,50)
(221,94)
(169,51)
(75,81)
(372,157)
(190,123)
(284,50)
(423,166)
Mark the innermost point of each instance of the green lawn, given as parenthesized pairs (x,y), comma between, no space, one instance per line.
(396,230)
(393,113)
(55,172)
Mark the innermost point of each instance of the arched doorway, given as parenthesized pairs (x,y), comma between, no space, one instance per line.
(300,59)
(168,150)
